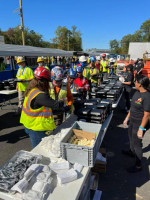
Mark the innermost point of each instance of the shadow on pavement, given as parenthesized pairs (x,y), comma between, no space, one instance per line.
(14,137)
(9,120)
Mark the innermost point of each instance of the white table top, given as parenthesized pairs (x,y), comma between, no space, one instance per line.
(72,190)
(7,92)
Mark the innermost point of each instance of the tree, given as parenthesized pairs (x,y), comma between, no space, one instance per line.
(142,35)
(76,40)
(14,36)
(114,46)
(145,29)
(62,37)
(137,36)
(125,43)
(68,39)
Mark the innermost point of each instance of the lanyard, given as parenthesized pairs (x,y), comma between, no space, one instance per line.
(21,73)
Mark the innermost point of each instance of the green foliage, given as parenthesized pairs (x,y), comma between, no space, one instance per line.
(64,38)
(14,36)
(114,46)
(68,39)
(125,43)
(142,35)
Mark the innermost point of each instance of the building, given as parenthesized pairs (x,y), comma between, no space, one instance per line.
(137,49)
(94,50)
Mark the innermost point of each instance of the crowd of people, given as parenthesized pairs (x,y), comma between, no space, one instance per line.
(46,95)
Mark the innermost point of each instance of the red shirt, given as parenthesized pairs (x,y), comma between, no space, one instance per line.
(82,82)
(97,65)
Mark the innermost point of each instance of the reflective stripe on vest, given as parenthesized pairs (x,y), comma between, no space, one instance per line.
(45,113)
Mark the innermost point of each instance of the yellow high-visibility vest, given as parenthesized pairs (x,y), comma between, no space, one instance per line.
(40,119)
(24,73)
(86,73)
(95,71)
(103,66)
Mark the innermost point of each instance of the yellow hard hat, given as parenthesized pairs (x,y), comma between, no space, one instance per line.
(46,59)
(40,59)
(20,59)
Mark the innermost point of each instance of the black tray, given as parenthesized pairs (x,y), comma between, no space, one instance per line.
(84,111)
(90,102)
(96,112)
(102,105)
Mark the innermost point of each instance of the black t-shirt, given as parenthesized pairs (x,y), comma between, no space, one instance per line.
(140,103)
(44,99)
(129,78)
(139,66)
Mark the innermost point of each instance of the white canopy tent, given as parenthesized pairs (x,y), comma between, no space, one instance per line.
(19,50)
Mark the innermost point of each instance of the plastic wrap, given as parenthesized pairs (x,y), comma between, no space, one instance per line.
(14,169)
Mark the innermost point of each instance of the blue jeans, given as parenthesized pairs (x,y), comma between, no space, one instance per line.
(35,136)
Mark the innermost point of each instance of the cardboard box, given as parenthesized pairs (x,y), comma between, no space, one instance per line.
(100,166)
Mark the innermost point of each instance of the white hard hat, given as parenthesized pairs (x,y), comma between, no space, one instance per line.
(112,60)
(82,59)
(98,57)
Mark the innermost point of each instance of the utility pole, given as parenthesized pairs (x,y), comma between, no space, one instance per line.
(22,26)
(68,41)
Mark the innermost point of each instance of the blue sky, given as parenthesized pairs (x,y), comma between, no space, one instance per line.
(99,21)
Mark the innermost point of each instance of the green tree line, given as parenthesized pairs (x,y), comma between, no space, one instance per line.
(141,35)
(64,38)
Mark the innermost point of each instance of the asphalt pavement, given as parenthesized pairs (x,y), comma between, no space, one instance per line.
(116,183)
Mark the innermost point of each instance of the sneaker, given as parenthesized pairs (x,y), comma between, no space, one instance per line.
(128,153)
(134,169)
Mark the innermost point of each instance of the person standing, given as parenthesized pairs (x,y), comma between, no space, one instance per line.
(72,75)
(94,72)
(113,66)
(81,81)
(97,64)
(2,64)
(85,66)
(41,62)
(57,93)
(37,116)
(139,67)
(128,83)
(24,76)
(139,121)
(104,67)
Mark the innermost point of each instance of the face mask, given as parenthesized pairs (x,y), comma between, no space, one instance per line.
(20,66)
(57,84)
(40,64)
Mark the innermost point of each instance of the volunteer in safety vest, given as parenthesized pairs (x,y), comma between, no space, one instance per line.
(94,72)
(58,93)
(24,75)
(113,66)
(97,64)
(104,67)
(41,62)
(86,68)
(37,116)
(81,81)
(72,75)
